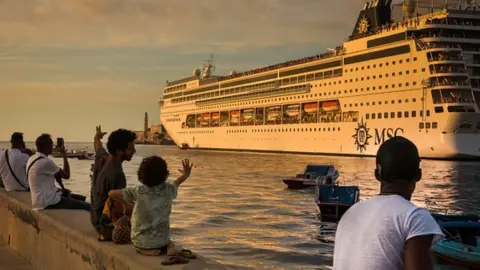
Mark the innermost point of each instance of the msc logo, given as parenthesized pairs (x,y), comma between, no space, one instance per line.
(362,136)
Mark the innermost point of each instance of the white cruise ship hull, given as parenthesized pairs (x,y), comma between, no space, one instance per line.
(340,140)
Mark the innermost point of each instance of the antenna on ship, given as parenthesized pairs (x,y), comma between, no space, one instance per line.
(208,68)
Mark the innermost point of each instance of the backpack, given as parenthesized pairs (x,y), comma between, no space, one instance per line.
(112,212)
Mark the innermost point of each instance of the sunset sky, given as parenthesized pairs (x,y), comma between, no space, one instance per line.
(68,65)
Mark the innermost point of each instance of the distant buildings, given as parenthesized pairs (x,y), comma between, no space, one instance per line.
(154,134)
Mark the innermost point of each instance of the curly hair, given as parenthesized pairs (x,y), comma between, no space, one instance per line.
(119,139)
(153,171)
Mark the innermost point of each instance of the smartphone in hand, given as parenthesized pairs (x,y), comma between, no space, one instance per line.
(60,143)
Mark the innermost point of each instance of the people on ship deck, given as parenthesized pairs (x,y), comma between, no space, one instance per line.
(388,231)
(108,171)
(13,163)
(42,172)
(150,231)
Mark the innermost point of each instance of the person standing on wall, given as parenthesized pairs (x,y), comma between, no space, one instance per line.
(108,170)
(42,172)
(13,162)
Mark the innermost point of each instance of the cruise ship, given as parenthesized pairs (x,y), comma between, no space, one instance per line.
(418,77)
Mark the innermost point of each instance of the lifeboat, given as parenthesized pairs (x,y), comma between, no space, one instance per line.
(247,114)
(330,105)
(311,107)
(293,110)
(215,116)
(206,116)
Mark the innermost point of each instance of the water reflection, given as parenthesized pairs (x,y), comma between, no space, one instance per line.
(235,208)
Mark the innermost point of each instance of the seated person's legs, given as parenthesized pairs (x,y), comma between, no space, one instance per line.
(70,203)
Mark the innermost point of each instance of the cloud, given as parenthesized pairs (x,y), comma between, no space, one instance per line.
(191,26)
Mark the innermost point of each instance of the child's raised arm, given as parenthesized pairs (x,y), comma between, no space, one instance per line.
(187,169)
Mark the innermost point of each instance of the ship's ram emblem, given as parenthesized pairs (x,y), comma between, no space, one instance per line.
(361,136)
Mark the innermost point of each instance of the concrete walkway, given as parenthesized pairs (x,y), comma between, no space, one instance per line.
(10,260)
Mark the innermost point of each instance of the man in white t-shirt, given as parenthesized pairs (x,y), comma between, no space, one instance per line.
(13,162)
(388,232)
(42,173)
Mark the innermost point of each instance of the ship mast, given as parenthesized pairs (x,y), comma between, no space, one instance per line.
(208,68)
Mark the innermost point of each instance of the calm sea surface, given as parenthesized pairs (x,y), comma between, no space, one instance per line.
(235,209)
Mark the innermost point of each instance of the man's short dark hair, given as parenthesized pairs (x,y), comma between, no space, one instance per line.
(43,141)
(119,139)
(153,171)
(16,137)
(397,159)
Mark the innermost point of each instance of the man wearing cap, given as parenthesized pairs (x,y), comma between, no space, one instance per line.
(388,231)
(13,162)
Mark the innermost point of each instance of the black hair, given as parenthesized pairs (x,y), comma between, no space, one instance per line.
(153,171)
(398,160)
(43,141)
(119,139)
(17,139)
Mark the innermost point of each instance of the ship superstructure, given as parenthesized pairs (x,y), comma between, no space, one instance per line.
(418,77)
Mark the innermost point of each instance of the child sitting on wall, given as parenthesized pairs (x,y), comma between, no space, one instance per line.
(150,232)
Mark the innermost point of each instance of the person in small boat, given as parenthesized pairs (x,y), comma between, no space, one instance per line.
(150,231)
(388,231)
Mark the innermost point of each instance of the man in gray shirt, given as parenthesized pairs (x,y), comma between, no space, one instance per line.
(108,171)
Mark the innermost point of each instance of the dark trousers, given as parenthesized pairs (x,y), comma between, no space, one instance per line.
(74,201)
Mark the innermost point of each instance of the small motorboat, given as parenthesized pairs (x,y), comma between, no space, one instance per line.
(311,175)
(333,200)
(461,246)
(185,146)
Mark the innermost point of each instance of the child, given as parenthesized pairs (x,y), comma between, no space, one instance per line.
(150,232)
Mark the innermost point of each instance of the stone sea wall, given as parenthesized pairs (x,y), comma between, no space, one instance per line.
(65,240)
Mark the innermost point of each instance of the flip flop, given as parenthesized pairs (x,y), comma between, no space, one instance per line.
(187,254)
(175,260)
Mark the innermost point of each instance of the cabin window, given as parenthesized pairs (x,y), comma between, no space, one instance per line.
(465,125)
(421,125)
(379,115)
(405,114)
(439,109)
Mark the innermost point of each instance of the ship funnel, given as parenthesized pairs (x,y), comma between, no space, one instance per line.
(409,8)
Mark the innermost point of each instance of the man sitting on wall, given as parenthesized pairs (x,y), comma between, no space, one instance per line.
(108,174)
(42,172)
(13,162)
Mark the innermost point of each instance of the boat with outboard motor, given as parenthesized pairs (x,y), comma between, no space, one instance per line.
(312,173)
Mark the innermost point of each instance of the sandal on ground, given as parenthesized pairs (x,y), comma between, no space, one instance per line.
(187,254)
(175,260)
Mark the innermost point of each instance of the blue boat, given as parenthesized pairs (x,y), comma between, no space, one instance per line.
(333,200)
(311,175)
(461,246)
